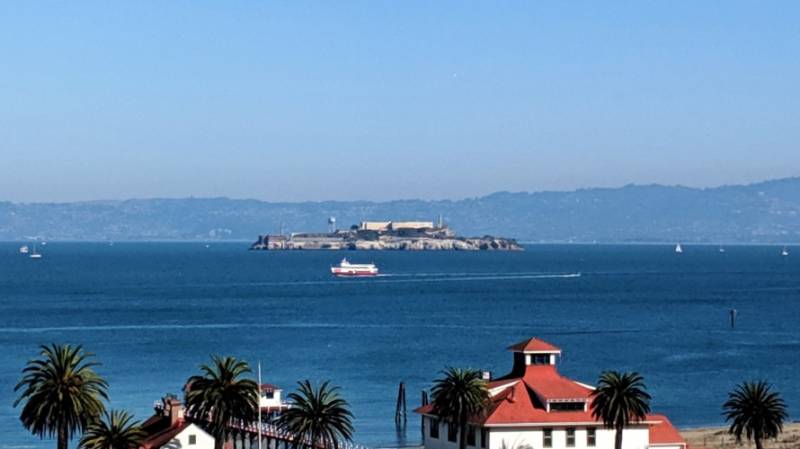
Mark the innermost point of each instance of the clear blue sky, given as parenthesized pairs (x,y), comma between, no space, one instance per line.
(378,100)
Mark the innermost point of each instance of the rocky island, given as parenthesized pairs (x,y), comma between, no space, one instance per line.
(386,235)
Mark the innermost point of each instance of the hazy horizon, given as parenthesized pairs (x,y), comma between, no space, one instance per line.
(100,200)
(378,100)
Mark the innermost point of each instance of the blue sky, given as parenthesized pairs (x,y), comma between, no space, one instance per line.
(382,100)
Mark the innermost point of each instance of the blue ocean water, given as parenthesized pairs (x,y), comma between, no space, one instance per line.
(152,312)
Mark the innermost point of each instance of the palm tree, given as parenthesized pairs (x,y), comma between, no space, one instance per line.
(114,431)
(459,396)
(756,411)
(62,393)
(318,417)
(620,399)
(221,396)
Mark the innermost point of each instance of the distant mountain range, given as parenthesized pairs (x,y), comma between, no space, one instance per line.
(766,212)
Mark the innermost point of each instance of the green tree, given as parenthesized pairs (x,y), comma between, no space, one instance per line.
(115,430)
(221,395)
(318,417)
(620,399)
(61,392)
(459,396)
(755,410)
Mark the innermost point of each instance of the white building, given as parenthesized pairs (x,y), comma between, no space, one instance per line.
(534,407)
(169,430)
(271,401)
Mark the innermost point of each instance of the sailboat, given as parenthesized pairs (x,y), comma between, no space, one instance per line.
(23,249)
(35,254)
(678,248)
(785,252)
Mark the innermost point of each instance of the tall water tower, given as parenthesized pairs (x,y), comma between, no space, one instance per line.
(332,225)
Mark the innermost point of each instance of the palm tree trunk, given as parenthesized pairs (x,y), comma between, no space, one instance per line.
(219,440)
(757,440)
(462,435)
(63,440)
(618,437)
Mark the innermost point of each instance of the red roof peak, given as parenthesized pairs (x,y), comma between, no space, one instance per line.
(534,345)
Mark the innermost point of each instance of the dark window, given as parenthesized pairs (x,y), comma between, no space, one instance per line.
(548,438)
(434,428)
(591,437)
(192,440)
(471,435)
(540,359)
(269,395)
(451,433)
(570,437)
(566,406)
(484,438)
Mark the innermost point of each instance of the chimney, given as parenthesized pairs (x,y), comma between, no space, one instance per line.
(174,410)
(486,375)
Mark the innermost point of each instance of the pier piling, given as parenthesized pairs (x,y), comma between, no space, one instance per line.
(424,403)
(733,318)
(400,410)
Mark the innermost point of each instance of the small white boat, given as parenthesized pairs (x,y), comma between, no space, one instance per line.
(678,248)
(24,249)
(35,254)
(721,249)
(785,252)
(346,268)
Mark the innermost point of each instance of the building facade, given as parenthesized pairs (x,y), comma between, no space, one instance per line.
(534,407)
(169,429)
(271,401)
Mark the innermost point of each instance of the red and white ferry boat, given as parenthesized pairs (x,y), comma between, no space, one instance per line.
(346,268)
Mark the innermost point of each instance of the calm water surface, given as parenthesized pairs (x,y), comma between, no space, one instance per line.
(153,312)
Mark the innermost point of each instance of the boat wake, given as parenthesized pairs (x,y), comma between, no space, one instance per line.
(389,278)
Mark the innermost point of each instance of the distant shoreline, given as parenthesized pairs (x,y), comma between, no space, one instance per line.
(522,243)
(717,437)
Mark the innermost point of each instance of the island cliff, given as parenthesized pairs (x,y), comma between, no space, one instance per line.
(386,235)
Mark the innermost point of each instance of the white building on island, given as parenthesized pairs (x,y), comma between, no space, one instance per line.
(534,407)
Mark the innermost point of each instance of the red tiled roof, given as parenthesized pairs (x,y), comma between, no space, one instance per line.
(269,387)
(521,398)
(551,386)
(534,345)
(159,432)
(664,432)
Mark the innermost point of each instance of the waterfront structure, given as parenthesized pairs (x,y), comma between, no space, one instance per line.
(270,401)
(169,429)
(535,407)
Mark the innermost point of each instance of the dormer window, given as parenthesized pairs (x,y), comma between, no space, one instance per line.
(539,359)
(567,406)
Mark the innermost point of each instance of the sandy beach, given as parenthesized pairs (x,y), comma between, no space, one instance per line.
(718,438)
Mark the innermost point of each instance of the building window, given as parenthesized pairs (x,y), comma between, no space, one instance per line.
(471,435)
(192,440)
(540,359)
(269,395)
(566,406)
(591,437)
(548,438)
(484,438)
(434,428)
(570,437)
(451,433)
